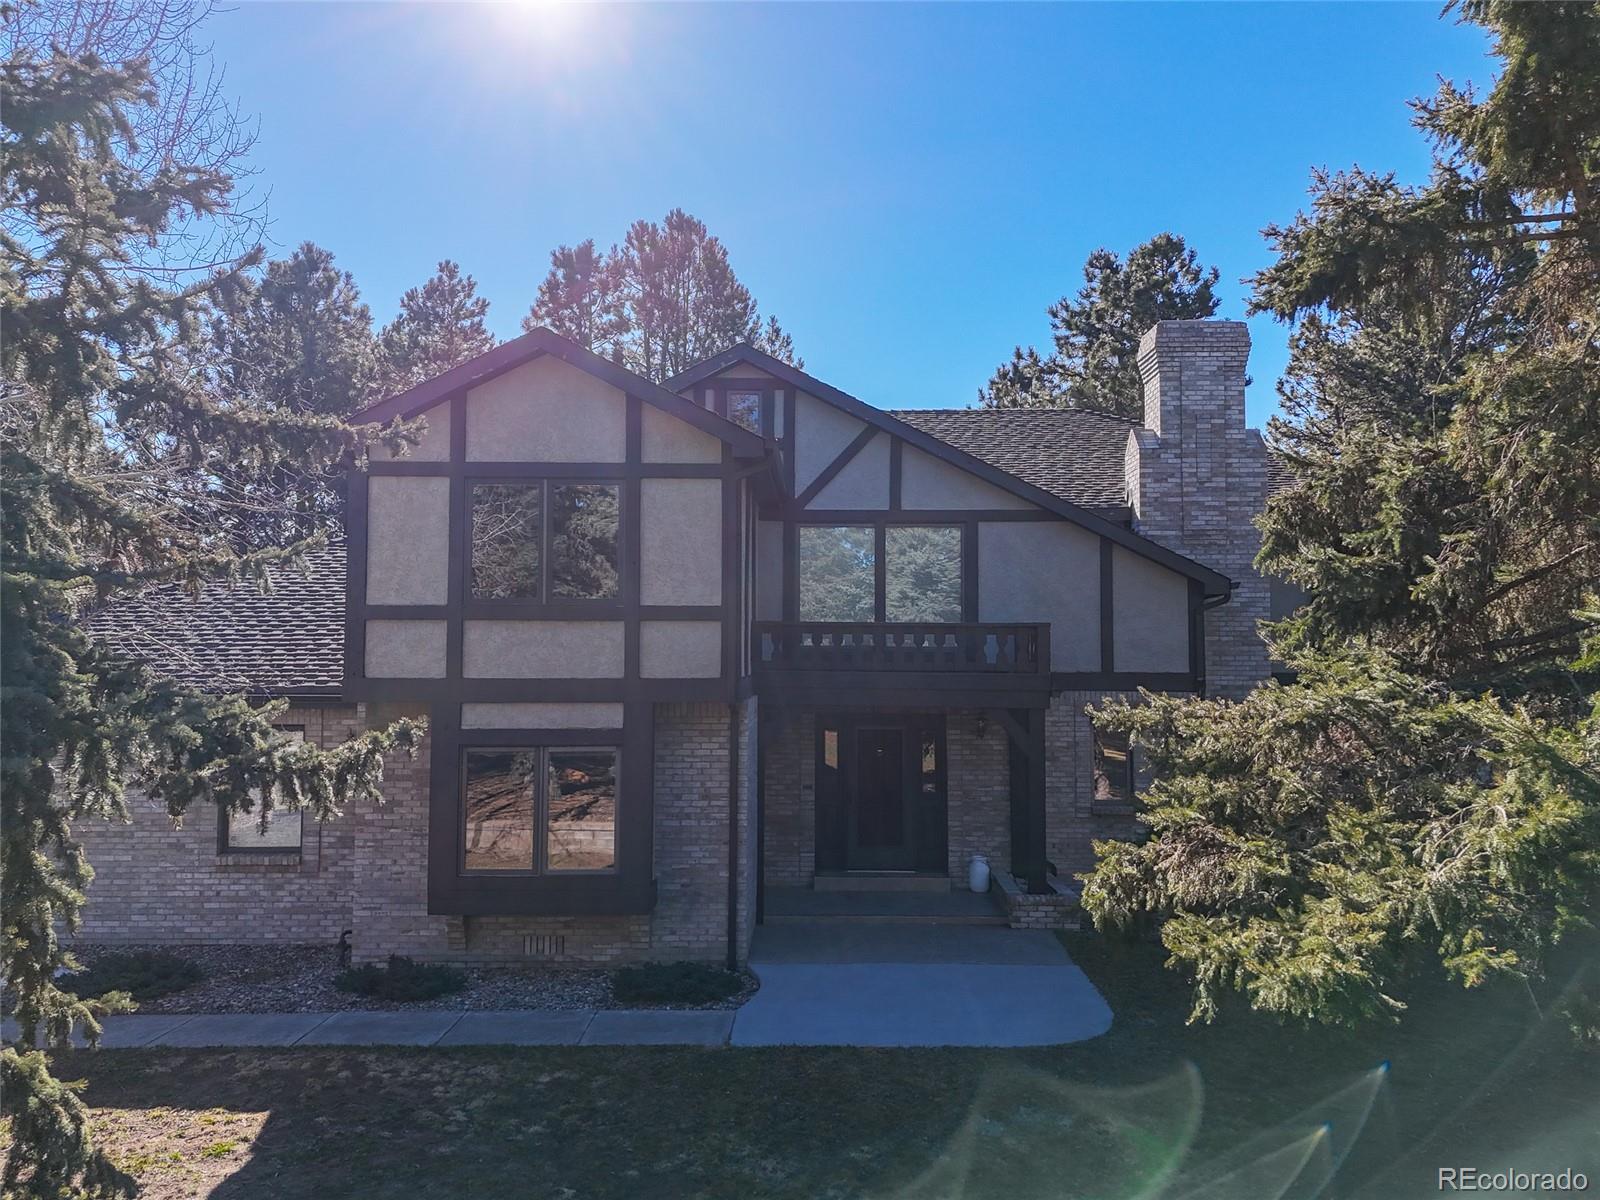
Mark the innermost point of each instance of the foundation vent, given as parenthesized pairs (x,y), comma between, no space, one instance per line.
(544,945)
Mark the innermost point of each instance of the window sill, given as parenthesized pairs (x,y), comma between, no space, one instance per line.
(257,863)
(1113,810)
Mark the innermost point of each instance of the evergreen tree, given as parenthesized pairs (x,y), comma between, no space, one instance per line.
(106,433)
(662,301)
(440,326)
(1429,788)
(297,341)
(1095,361)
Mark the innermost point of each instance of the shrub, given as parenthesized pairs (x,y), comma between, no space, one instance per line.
(144,976)
(401,979)
(674,983)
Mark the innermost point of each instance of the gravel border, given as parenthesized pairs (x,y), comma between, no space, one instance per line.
(295,979)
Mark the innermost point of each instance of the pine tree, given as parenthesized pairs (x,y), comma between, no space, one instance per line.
(441,325)
(663,300)
(106,436)
(1429,787)
(1094,363)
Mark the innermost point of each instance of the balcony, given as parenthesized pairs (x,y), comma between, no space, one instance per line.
(829,656)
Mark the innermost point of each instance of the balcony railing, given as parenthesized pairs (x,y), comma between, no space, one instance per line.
(874,646)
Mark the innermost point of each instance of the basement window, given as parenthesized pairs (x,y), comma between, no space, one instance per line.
(539,810)
(242,832)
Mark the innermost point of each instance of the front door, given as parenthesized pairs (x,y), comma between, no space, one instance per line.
(880,793)
(879,813)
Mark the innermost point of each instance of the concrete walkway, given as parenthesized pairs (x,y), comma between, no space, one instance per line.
(886,984)
(603,1027)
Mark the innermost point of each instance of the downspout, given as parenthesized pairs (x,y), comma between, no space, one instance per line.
(1198,633)
(733,838)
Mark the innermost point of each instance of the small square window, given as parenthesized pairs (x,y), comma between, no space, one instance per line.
(744,409)
(285,827)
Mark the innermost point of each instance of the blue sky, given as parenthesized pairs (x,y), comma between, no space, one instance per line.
(906,187)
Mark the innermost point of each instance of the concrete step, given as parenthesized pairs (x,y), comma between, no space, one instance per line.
(887,918)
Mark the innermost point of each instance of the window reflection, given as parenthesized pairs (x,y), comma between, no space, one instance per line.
(499,808)
(581,826)
(922,573)
(837,565)
(505,541)
(583,540)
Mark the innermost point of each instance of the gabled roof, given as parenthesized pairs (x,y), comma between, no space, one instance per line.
(1215,582)
(1069,452)
(285,642)
(510,355)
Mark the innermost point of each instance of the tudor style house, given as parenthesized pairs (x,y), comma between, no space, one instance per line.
(685,649)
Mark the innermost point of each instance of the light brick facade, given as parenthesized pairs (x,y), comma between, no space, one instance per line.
(1197,478)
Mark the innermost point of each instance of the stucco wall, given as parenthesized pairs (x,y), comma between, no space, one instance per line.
(821,432)
(928,482)
(542,649)
(434,445)
(769,570)
(680,533)
(405,649)
(1150,629)
(1044,571)
(546,411)
(571,715)
(680,649)
(408,540)
(666,439)
(864,480)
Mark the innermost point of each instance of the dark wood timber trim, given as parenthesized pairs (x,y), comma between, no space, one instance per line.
(1108,643)
(1215,582)
(732,618)
(459,691)
(629,551)
(831,471)
(896,471)
(880,572)
(969,571)
(460,536)
(355,567)
(1121,681)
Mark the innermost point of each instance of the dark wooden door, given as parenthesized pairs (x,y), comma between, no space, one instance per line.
(879,823)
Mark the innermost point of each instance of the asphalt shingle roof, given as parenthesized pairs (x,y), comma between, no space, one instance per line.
(287,641)
(1070,453)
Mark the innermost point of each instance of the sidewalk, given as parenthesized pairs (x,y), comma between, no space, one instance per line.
(547,1027)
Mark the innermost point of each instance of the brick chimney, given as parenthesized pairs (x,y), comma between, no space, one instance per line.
(1197,478)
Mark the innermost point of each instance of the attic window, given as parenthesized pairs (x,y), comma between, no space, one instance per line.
(744,409)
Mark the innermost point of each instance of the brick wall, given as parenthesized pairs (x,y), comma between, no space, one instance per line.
(154,883)
(978,794)
(691,799)
(1197,479)
(789,796)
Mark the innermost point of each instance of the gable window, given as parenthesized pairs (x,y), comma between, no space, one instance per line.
(242,832)
(744,409)
(542,539)
(1113,772)
(539,810)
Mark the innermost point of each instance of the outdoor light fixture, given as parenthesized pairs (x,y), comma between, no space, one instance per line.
(983,726)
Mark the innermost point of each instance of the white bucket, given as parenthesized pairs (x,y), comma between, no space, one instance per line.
(978,873)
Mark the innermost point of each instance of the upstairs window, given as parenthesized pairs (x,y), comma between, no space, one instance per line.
(838,564)
(920,581)
(544,539)
(242,832)
(922,573)
(744,409)
(539,810)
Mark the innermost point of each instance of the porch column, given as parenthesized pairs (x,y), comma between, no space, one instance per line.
(1025,730)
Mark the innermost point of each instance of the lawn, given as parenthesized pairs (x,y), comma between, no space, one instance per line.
(1235,1111)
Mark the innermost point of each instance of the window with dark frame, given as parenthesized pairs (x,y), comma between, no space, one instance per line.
(543,539)
(920,581)
(744,409)
(539,810)
(285,831)
(1113,771)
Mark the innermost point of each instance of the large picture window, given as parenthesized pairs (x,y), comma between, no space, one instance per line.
(538,540)
(921,580)
(539,810)
(242,832)
(922,573)
(838,564)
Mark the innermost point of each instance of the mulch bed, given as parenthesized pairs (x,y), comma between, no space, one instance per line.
(241,978)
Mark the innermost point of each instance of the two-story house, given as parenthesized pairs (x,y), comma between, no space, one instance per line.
(682,646)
